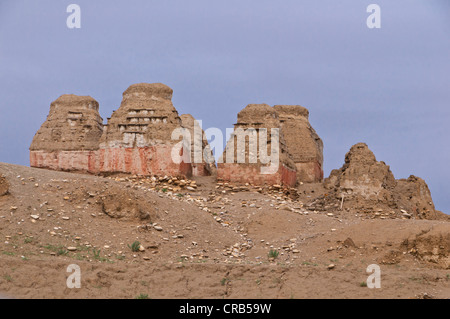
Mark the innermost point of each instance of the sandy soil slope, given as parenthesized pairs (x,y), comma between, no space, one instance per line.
(206,240)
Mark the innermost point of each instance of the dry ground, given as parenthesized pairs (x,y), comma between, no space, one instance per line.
(210,242)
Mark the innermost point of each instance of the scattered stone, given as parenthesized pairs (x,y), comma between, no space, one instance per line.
(4,186)
(349,243)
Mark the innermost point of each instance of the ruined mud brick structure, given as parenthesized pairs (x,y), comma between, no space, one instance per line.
(137,138)
(362,175)
(300,148)
(256,116)
(69,138)
(413,194)
(202,159)
(362,178)
(302,141)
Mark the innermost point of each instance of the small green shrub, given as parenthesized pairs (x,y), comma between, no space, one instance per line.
(135,246)
(273,253)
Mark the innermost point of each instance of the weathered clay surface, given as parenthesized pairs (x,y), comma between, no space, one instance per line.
(4,186)
(137,138)
(367,186)
(432,246)
(249,173)
(414,196)
(202,161)
(146,117)
(256,116)
(302,141)
(73,124)
(362,175)
(120,204)
(152,160)
(82,161)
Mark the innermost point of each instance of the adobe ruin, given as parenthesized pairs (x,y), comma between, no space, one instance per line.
(368,186)
(202,159)
(136,139)
(69,138)
(302,141)
(243,163)
(362,175)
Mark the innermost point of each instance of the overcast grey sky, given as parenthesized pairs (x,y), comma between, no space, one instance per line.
(386,87)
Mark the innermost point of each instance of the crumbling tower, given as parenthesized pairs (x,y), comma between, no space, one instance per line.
(302,141)
(69,137)
(243,163)
(138,136)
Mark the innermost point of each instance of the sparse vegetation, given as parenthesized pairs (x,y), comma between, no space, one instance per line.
(8,253)
(273,253)
(363,284)
(96,253)
(135,246)
(307,263)
(78,256)
(224,281)
(334,260)
(142,296)
(54,248)
(96,256)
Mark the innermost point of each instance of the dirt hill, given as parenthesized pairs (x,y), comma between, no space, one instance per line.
(202,239)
